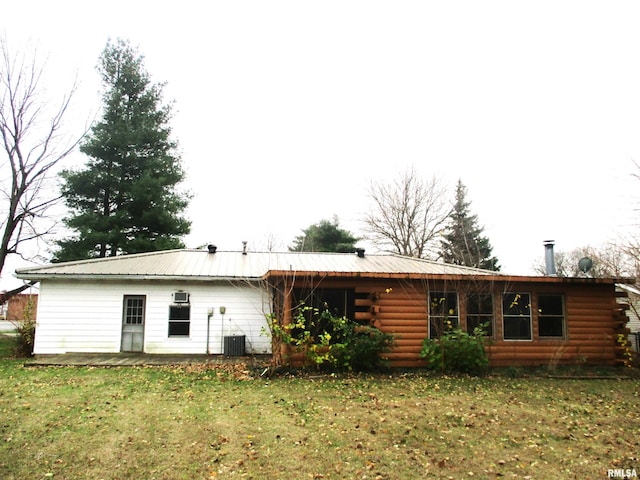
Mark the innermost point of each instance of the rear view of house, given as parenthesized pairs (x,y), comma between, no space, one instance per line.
(208,301)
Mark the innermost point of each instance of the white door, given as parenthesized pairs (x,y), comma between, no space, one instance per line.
(133,323)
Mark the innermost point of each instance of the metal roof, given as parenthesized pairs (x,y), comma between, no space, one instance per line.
(200,264)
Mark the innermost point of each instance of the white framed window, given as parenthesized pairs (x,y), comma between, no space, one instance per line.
(134,309)
(179,320)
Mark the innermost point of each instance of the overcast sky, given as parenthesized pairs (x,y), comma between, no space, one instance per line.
(286,111)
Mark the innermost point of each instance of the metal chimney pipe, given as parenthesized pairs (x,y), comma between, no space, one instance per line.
(549,260)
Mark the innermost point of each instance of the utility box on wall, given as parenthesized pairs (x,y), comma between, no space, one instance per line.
(234,346)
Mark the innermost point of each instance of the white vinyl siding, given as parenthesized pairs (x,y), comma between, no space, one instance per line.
(86,316)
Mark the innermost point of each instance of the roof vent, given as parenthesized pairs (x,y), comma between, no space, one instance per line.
(212,248)
(244,247)
(360,252)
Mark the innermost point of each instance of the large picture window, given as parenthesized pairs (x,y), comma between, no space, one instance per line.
(516,316)
(179,320)
(443,312)
(551,316)
(339,302)
(480,312)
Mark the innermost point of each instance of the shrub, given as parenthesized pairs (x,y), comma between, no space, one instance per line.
(330,342)
(25,335)
(456,351)
(25,330)
(361,347)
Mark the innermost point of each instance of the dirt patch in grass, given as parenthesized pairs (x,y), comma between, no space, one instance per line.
(200,422)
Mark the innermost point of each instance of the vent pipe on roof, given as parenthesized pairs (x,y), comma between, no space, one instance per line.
(244,248)
(549,260)
(212,248)
(360,252)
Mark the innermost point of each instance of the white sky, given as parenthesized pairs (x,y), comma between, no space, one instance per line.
(285,111)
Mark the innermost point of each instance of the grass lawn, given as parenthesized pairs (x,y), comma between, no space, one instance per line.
(200,423)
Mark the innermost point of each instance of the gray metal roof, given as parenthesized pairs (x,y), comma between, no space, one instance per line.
(200,264)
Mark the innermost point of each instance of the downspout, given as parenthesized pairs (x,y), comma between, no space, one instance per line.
(209,315)
(223,310)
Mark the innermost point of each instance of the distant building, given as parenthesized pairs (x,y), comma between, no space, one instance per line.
(19,306)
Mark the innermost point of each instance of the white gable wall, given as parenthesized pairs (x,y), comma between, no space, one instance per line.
(86,316)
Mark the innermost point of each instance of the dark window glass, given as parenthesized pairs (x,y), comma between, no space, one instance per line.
(516,316)
(480,312)
(443,312)
(179,320)
(339,302)
(550,316)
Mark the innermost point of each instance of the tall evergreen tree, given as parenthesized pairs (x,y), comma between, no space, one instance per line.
(463,242)
(325,236)
(125,199)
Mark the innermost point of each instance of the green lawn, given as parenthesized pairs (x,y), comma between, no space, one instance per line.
(7,345)
(202,423)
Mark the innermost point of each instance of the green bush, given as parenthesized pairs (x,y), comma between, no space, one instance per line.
(456,351)
(25,330)
(25,335)
(330,342)
(360,348)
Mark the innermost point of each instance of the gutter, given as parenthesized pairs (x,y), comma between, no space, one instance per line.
(497,278)
(88,276)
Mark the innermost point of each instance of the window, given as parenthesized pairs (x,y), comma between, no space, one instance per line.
(551,316)
(179,320)
(339,302)
(516,315)
(133,310)
(480,312)
(443,312)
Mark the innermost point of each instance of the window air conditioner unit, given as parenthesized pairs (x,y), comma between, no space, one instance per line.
(180,297)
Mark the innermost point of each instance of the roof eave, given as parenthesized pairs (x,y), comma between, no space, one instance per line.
(449,276)
(173,278)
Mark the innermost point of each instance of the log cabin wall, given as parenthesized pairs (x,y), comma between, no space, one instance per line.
(589,336)
(591,317)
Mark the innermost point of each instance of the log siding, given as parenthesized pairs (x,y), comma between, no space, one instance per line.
(592,317)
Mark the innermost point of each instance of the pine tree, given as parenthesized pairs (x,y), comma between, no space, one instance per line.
(325,236)
(125,200)
(463,242)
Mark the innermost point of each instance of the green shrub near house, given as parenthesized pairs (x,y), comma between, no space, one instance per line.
(456,351)
(330,342)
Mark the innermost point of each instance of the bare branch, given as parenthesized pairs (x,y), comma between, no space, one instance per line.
(407,215)
(33,145)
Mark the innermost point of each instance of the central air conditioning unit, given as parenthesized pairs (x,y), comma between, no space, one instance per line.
(180,297)
(234,346)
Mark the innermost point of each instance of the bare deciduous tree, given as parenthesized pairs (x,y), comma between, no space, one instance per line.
(631,244)
(608,260)
(33,144)
(408,215)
